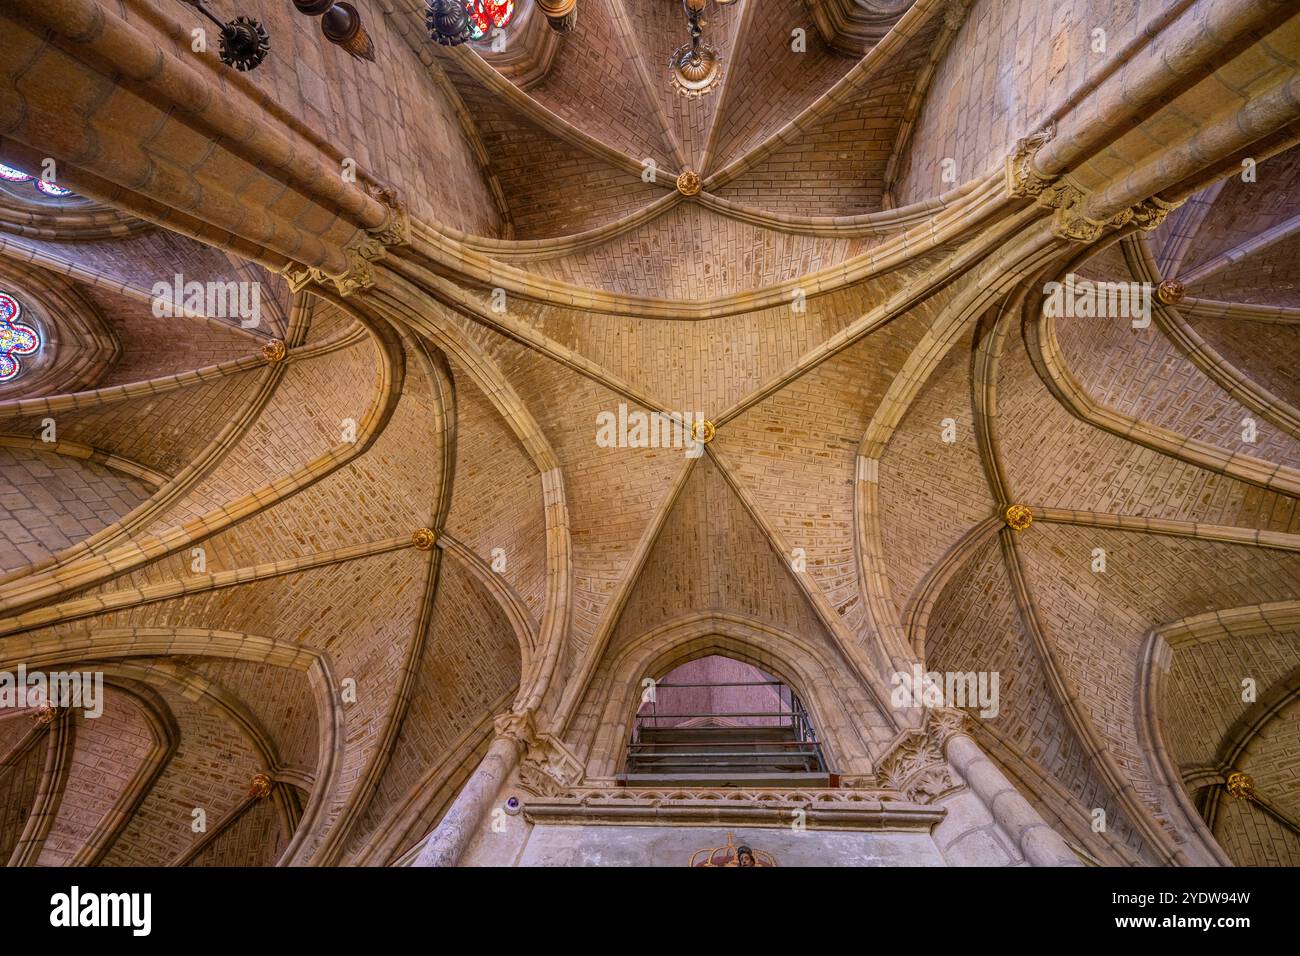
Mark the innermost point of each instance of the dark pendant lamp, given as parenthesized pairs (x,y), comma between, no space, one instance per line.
(341,25)
(242,42)
(448,22)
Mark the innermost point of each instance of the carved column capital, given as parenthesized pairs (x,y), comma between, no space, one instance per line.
(395,230)
(954,14)
(917,767)
(547,767)
(364,248)
(1069,201)
(517,726)
(1071,222)
(1023,181)
(945,723)
(1146,215)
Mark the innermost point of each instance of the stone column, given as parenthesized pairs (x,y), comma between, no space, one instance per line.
(1040,844)
(1267,112)
(1183,53)
(469,811)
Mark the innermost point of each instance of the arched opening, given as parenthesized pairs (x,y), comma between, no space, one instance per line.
(717,721)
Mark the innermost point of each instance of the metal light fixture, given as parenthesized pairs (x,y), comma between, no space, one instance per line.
(244,43)
(696,67)
(561,15)
(341,25)
(448,22)
(453,22)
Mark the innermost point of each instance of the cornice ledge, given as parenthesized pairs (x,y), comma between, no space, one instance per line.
(828,809)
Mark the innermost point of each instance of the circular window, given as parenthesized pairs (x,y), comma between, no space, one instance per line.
(17,338)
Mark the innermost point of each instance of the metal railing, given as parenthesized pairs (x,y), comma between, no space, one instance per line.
(798,747)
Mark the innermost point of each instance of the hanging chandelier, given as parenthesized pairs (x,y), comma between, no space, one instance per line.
(453,22)
(696,66)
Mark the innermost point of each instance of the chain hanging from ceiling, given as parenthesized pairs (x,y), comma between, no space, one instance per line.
(696,66)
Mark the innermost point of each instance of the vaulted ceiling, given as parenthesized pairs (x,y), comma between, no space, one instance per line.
(222,519)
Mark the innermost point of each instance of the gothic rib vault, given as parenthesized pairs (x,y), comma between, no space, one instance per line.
(371,549)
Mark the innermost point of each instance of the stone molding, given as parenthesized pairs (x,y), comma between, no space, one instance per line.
(871,809)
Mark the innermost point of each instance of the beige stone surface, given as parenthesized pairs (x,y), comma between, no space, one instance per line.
(217,514)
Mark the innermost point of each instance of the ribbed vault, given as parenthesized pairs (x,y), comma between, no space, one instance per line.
(331,545)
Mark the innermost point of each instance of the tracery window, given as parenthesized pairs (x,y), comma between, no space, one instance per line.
(16,176)
(16,338)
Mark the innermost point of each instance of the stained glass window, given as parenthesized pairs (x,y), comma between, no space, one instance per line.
(16,176)
(486,14)
(11,175)
(16,338)
(52,190)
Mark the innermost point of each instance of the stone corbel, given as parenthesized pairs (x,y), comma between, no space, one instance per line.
(917,767)
(546,767)
(366,247)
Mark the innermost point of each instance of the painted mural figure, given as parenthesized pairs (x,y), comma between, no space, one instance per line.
(731,855)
